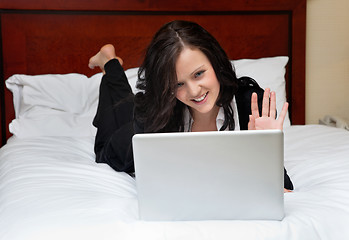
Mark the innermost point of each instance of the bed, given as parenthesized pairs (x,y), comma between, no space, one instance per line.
(50,185)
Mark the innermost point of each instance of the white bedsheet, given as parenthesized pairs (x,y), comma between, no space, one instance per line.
(51,188)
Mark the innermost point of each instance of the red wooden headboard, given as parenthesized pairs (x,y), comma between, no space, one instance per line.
(59,36)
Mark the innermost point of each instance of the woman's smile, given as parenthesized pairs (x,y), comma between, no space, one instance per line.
(201,100)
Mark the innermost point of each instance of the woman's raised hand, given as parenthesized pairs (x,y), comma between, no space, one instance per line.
(267,120)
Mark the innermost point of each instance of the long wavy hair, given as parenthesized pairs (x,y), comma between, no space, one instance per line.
(156,105)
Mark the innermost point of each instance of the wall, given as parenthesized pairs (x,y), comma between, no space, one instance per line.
(327,59)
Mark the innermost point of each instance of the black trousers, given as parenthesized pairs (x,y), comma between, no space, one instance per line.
(114,119)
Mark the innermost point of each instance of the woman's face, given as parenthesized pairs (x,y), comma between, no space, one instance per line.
(198,86)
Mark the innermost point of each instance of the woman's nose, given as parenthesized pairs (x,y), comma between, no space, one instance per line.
(193,89)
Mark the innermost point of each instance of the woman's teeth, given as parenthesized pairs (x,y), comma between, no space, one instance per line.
(201,98)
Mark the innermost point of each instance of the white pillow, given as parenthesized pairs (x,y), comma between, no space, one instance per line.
(57,104)
(54,104)
(268,73)
(63,124)
(65,104)
(72,93)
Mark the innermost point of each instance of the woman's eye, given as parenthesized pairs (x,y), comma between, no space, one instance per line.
(198,74)
(180,84)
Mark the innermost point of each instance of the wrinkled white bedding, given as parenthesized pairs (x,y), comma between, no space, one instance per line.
(51,188)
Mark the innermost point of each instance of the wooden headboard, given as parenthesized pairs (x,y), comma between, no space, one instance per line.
(59,36)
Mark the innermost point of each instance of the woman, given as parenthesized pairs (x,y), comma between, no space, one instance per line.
(187,83)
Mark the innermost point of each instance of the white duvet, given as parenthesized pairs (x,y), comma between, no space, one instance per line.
(51,188)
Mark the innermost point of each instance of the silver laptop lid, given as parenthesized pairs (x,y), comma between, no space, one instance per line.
(210,175)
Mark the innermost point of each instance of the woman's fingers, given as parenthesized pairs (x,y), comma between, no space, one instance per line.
(265,104)
(272,111)
(268,104)
(268,119)
(251,124)
(254,105)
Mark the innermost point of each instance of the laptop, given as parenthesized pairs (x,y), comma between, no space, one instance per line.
(227,175)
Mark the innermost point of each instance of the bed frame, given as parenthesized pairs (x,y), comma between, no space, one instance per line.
(59,36)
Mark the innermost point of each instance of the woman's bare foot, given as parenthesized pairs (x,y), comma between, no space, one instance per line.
(105,54)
